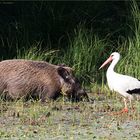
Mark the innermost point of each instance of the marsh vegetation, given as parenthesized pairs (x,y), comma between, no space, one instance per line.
(67,120)
(36,32)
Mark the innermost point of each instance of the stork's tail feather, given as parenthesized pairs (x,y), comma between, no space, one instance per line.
(134,91)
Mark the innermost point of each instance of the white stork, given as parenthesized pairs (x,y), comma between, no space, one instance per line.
(123,84)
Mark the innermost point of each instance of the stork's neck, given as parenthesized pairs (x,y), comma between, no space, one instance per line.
(112,65)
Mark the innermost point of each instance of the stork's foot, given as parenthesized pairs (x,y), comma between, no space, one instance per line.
(125,110)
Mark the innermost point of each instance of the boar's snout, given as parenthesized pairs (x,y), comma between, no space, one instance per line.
(80,95)
(78,92)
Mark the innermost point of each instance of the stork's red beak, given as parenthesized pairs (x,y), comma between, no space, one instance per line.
(106,62)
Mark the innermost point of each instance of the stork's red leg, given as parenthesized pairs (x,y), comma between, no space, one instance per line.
(124,110)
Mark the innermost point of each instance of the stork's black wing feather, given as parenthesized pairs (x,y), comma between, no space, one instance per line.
(134,91)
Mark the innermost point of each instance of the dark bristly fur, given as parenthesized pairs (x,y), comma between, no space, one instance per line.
(23,78)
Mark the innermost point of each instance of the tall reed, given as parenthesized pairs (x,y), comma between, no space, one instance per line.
(84,53)
(130,49)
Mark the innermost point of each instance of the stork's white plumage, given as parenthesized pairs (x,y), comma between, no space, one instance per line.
(123,84)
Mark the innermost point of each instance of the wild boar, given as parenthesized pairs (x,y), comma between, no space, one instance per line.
(26,78)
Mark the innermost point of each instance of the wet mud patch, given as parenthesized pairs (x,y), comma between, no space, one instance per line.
(67,120)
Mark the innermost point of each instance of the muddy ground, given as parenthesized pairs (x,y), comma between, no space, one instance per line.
(61,120)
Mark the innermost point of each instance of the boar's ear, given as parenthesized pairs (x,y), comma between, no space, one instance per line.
(69,69)
(62,65)
(63,73)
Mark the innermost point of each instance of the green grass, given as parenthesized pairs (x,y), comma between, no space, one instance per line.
(36,53)
(130,49)
(84,52)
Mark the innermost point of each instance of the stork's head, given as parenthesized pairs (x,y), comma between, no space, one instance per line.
(114,56)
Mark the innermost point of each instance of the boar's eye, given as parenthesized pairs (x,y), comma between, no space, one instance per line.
(67,77)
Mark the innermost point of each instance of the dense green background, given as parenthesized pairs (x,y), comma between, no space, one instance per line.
(79,33)
(25,22)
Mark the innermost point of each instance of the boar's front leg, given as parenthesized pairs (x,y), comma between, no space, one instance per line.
(48,93)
